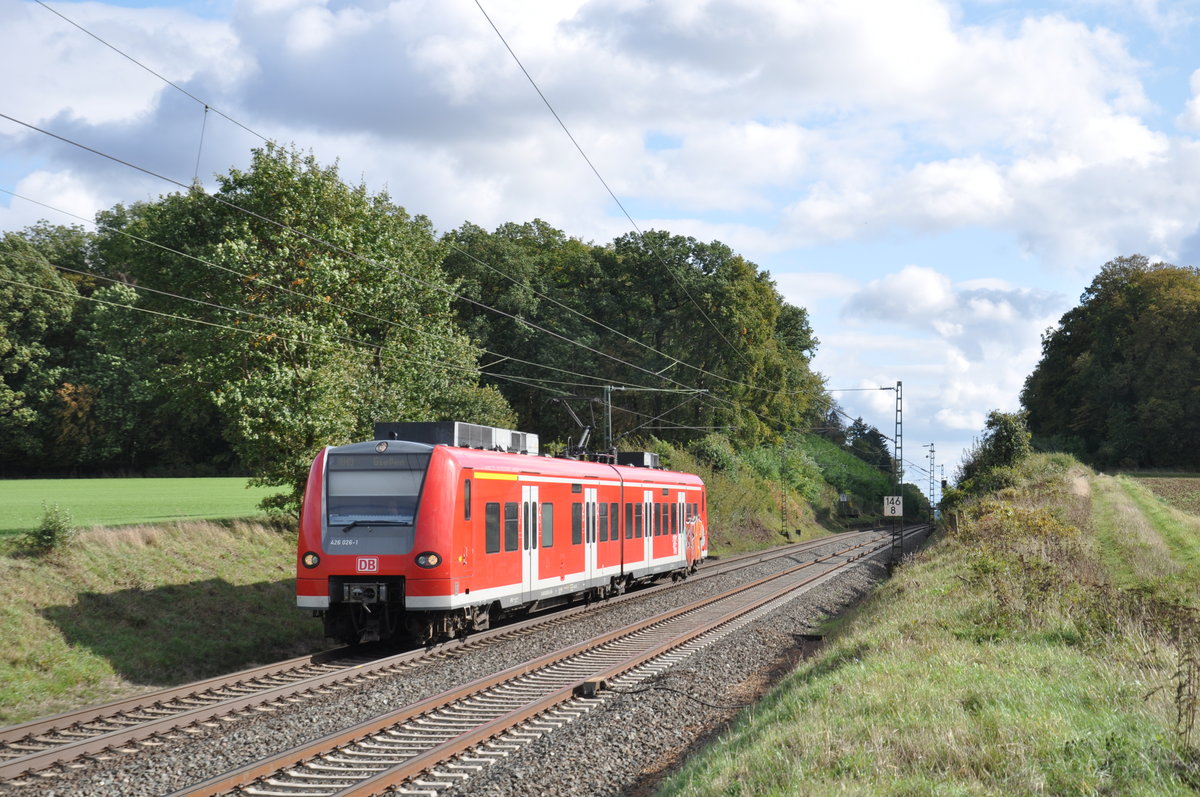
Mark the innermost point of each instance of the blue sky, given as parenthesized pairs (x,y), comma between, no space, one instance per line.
(936,182)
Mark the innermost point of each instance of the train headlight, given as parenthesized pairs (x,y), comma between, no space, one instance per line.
(310,560)
(429,559)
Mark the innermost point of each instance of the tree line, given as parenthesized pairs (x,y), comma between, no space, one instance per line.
(1118,384)
(239,332)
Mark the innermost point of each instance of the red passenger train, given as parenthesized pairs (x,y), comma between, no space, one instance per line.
(434,530)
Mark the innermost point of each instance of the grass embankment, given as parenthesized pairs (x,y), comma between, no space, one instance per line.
(775,494)
(1003,660)
(107,502)
(117,611)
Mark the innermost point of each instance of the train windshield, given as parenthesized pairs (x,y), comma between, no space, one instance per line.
(372,492)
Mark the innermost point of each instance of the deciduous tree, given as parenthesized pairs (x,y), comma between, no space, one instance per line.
(323,309)
(36,304)
(1117,383)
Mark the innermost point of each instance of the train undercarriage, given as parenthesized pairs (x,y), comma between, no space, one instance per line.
(374,611)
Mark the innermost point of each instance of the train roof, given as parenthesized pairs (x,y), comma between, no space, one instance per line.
(561,467)
(504,462)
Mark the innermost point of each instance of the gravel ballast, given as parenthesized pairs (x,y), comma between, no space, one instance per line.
(628,742)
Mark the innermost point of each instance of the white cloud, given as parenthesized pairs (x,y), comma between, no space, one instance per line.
(825,121)
(1190,118)
(71,195)
(78,77)
(912,297)
(974,319)
(805,289)
(965,420)
(961,349)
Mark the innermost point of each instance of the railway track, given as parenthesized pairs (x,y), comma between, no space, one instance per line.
(122,727)
(438,743)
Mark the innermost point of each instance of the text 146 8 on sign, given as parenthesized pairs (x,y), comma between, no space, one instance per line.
(893,506)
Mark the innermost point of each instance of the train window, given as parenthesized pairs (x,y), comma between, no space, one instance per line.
(637,520)
(466,499)
(577,488)
(491,516)
(614,520)
(576,523)
(666,491)
(666,519)
(547,524)
(379,493)
(512,531)
(628,521)
(529,539)
(604,523)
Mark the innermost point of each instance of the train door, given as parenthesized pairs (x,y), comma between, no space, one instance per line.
(688,528)
(648,516)
(678,526)
(589,531)
(530,513)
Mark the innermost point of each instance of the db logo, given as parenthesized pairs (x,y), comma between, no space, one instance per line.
(367,564)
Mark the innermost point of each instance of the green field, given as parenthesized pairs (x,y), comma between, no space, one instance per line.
(117,502)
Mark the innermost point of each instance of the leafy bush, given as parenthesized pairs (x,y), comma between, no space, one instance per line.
(848,474)
(1006,441)
(56,529)
(793,466)
(717,451)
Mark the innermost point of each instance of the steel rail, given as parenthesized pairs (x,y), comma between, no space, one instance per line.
(16,733)
(266,768)
(133,729)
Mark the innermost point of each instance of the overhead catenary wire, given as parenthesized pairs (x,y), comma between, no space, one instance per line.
(567,131)
(381,350)
(396,354)
(267,333)
(313,300)
(315,239)
(658,417)
(882,434)
(631,339)
(171,83)
(207,107)
(342,250)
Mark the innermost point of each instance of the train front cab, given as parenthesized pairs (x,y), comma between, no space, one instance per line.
(361,536)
